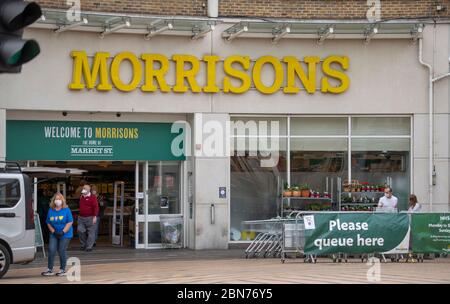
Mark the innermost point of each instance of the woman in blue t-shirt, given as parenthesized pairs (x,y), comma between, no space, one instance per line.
(59,222)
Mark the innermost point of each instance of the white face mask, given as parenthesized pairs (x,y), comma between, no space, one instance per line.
(58,203)
(84,192)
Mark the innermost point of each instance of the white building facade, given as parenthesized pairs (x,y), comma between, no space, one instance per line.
(370,124)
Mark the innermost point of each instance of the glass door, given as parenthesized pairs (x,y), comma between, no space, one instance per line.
(158,191)
(163,195)
(140,234)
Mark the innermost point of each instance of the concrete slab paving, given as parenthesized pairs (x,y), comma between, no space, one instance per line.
(114,265)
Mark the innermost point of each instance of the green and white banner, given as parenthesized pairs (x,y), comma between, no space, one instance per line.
(328,233)
(430,232)
(85,140)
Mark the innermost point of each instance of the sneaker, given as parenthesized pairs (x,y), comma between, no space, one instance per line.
(47,273)
(88,249)
(61,273)
(82,248)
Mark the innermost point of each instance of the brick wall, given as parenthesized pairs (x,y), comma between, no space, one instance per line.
(301,9)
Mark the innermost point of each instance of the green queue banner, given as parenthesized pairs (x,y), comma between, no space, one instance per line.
(357,233)
(83,140)
(430,232)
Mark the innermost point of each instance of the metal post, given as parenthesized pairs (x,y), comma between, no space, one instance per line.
(114,218)
(122,197)
(118,239)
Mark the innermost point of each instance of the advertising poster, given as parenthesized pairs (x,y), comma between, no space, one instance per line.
(430,232)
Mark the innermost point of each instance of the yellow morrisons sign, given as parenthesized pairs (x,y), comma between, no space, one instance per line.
(290,74)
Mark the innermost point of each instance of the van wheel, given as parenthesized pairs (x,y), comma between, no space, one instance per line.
(5,260)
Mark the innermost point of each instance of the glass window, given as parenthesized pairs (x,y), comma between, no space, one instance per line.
(141,233)
(164,188)
(319,126)
(379,162)
(272,126)
(318,164)
(319,160)
(381,126)
(256,180)
(9,192)
(154,233)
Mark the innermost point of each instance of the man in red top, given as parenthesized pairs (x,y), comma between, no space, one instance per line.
(87,218)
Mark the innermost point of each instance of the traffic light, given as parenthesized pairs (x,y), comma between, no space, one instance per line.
(15,15)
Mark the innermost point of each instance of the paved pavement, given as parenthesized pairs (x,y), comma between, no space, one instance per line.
(111,265)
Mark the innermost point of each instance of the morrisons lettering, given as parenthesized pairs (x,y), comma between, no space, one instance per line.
(127,133)
(149,73)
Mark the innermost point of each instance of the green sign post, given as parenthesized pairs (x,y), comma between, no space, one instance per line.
(358,233)
(82,140)
(430,232)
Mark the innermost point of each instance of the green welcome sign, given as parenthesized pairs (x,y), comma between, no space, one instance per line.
(356,233)
(81,140)
(430,232)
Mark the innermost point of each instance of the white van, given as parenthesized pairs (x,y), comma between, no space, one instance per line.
(17,235)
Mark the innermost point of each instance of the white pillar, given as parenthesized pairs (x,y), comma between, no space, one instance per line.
(212,172)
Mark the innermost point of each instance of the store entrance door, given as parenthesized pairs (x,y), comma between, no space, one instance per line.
(158,188)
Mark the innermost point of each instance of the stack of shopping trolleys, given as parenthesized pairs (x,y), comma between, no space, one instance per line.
(279,237)
(267,242)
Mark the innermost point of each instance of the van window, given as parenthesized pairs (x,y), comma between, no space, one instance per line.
(9,192)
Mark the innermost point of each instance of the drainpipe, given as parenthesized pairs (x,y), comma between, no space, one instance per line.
(431,82)
(213,8)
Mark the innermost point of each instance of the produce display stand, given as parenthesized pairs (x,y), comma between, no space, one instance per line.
(292,204)
(366,200)
(356,196)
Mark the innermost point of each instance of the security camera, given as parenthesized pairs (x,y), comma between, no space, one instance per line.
(118,114)
(64,113)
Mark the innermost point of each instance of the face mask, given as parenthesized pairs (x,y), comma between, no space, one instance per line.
(84,191)
(387,195)
(58,203)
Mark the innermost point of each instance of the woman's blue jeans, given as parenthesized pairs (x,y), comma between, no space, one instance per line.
(60,246)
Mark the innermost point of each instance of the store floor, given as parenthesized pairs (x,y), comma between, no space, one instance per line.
(103,242)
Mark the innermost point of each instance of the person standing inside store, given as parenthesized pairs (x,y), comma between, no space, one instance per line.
(388,201)
(80,188)
(59,222)
(87,219)
(414,205)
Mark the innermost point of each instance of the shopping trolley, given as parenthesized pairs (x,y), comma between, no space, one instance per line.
(267,242)
(293,238)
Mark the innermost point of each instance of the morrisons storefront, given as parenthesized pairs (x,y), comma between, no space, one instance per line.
(219,120)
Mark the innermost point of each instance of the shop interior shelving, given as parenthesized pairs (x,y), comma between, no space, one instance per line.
(298,203)
(370,200)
